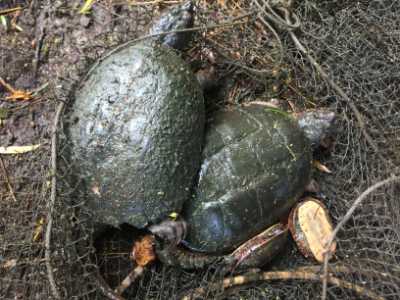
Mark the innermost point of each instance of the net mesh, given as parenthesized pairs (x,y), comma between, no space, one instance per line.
(357,43)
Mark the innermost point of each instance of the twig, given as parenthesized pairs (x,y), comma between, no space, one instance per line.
(129,279)
(303,273)
(39,43)
(50,273)
(10,188)
(10,10)
(154,2)
(347,216)
(105,288)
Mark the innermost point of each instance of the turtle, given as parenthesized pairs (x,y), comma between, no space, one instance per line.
(257,163)
(136,128)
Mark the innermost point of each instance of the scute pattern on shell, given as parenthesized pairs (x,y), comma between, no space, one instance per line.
(136,132)
(257,162)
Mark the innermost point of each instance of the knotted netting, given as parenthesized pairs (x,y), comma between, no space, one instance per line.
(343,55)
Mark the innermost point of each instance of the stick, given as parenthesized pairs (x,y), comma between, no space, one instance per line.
(347,216)
(39,43)
(10,10)
(10,188)
(105,288)
(303,273)
(50,273)
(132,276)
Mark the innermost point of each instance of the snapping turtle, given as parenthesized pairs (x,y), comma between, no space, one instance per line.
(137,128)
(257,163)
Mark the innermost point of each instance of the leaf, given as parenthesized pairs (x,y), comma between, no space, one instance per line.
(38,229)
(9,264)
(18,149)
(321,167)
(86,7)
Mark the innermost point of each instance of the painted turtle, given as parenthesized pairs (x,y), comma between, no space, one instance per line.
(137,128)
(257,162)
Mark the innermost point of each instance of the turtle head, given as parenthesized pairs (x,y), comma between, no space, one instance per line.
(177,18)
(317,125)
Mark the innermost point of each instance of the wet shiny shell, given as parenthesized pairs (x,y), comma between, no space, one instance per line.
(257,162)
(136,133)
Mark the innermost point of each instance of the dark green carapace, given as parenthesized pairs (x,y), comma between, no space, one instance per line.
(257,162)
(136,132)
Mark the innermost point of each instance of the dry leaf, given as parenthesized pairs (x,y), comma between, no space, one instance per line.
(18,149)
(9,264)
(18,95)
(86,7)
(38,229)
(143,251)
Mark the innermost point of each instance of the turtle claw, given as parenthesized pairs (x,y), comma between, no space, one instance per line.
(313,187)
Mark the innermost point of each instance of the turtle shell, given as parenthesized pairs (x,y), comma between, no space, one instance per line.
(136,131)
(257,162)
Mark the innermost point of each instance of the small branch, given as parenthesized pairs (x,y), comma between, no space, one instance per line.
(50,273)
(7,179)
(132,276)
(105,288)
(39,43)
(10,10)
(347,216)
(303,273)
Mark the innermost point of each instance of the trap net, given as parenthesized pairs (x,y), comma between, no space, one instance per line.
(342,55)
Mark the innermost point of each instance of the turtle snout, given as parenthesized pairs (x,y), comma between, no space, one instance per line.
(187,14)
(189,7)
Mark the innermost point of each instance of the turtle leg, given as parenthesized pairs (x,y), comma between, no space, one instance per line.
(186,259)
(168,235)
(260,249)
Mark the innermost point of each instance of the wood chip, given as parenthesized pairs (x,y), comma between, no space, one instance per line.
(311,228)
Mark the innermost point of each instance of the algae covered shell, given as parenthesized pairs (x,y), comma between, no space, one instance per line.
(136,133)
(256,164)
(311,228)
